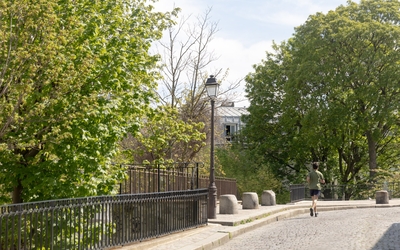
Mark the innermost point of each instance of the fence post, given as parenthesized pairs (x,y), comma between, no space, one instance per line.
(197,175)
(19,225)
(120,184)
(158,174)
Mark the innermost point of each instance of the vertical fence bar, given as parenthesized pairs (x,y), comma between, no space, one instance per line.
(89,222)
(159,180)
(35,225)
(197,175)
(6,240)
(51,228)
(19,213)
(12,230)
(79,226)
(123,221)
(109,220)
(42,230)
(24,228)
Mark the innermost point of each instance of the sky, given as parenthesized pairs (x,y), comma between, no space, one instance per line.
(247,28)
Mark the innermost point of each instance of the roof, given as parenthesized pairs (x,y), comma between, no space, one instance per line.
(231,111)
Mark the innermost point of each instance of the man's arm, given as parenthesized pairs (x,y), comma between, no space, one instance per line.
(322,179)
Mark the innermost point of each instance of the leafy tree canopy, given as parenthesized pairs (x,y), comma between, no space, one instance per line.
(74,78)
(165,137)
(331,93)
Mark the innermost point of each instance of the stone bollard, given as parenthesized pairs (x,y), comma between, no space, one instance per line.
(228,204)
(268,198)
(249,200)
(382,197)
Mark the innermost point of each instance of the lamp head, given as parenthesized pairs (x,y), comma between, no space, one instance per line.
(212,87)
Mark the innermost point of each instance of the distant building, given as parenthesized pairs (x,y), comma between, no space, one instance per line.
(228,122)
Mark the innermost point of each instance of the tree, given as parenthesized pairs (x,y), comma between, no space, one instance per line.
(75,76)
(165,137)
(357,60)
(250,173)
(334,94)
(186,60)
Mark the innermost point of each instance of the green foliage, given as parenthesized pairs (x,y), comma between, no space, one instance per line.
(165,137)
(75,77)
(59,228)
(251,174)
(330,94)
(270,134)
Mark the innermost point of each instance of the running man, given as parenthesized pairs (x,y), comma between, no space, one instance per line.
(314,179)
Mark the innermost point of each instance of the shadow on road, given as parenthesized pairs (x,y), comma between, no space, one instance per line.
(390,238)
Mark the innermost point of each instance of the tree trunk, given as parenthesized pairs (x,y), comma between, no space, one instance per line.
(372,155)
(17,193)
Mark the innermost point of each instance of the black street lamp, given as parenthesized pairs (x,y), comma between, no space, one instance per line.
(212,91)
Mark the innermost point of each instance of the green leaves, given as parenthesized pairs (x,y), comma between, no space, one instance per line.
(74,79)
(332,90)
(164,136)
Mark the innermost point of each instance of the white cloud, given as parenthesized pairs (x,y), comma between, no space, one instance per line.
(247,28)
(238,58)
(187,6)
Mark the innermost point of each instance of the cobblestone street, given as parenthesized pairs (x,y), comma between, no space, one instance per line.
(365,228)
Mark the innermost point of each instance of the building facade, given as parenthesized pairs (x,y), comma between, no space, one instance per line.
(228,122)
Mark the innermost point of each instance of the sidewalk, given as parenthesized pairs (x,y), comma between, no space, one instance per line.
(224,227)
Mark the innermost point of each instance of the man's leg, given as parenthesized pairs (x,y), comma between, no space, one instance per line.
(315,199)
(312,204)
(315,203)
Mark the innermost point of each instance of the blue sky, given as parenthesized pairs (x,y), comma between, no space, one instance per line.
(247,28)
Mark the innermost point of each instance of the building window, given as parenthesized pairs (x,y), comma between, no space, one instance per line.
(230,130)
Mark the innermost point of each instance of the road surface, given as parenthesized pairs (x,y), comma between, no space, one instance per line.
(358,229)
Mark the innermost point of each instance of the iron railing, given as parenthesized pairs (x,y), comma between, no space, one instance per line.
(146,178)
(361,191)
(224,185)
(100,222)
(171,177)
(297,192)
(300,192)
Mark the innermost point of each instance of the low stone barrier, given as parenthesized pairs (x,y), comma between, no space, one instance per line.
(268,198)
(228,204)
(249,200)
(382,197)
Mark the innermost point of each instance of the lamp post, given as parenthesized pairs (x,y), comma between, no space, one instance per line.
(212,90)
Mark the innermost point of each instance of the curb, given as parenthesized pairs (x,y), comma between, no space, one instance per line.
(215,234)
(280,215)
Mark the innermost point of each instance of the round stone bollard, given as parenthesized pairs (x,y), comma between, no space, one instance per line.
(268,198)
(249,200)
(228,204)
(382,197)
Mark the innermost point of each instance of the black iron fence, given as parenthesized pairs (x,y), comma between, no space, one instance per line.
(297,192)
(100,222)
(224,185)
(171,177)
(300,192)
(146,178)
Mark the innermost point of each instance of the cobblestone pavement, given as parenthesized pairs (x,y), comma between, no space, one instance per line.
(363,228)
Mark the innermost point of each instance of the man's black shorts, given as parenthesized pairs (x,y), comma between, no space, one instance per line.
(315,192)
